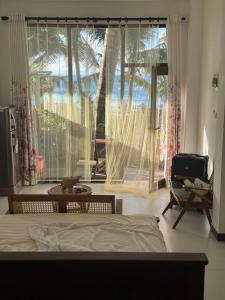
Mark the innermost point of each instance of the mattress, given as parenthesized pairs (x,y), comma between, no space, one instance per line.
(80,232)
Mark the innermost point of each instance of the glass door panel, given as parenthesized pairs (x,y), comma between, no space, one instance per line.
(159,98)
(49,89)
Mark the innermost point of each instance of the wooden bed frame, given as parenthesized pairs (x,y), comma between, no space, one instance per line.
(105,275)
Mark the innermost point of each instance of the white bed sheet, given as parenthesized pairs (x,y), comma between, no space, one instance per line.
(78,232)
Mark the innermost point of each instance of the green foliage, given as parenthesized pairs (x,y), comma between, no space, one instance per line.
(50,120)
(45,45)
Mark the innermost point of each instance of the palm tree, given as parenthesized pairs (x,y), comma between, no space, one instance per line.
(110,52)
(44,46)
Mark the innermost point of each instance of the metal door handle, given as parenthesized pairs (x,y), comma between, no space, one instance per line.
(13,142)
(13,126)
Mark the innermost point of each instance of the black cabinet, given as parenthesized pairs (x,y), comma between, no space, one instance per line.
(9,156)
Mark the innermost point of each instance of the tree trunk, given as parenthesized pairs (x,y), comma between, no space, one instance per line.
(77,68)
(110,53)
(109,58)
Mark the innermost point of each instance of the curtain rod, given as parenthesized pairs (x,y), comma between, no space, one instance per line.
(92,19)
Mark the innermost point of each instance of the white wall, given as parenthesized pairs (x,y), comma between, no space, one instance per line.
(95,8)
(193,76)
(219,190)
(211,134)
(211,56)
(129,8)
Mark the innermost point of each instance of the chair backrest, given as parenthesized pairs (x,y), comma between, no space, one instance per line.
(189,165)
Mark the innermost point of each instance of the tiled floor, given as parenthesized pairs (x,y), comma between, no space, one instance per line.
(191,235)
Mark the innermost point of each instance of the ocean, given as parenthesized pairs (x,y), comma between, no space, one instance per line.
(58,92)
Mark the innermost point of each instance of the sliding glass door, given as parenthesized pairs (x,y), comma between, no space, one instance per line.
(159,110)
(83,80)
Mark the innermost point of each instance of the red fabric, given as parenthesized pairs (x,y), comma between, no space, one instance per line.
(103,141)
(39,163)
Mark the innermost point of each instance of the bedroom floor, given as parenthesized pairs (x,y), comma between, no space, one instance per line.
(191,235)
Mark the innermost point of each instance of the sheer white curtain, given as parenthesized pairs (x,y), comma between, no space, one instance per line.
(20,92)
(177,35)
(64,74)
(130,120)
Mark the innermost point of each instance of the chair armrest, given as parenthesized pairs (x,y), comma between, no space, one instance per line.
(187,187)
(179,177)
(199,191)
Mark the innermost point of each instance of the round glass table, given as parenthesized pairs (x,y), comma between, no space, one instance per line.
(79,189)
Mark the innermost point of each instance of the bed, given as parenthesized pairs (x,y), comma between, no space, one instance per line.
(40,257)
(80,232)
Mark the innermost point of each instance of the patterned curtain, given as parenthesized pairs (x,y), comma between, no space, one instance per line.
(20,94)
(177,39)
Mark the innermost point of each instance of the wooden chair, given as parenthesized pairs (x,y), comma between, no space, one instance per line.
(191,196)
